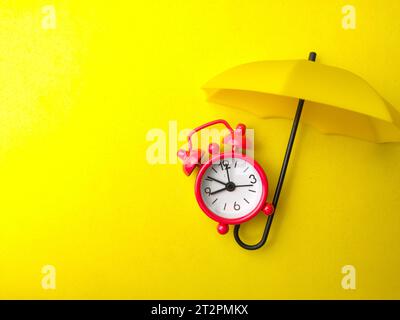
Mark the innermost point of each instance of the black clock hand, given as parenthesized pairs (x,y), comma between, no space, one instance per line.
(218,191)
(244,185)
(227,172)
(216,180)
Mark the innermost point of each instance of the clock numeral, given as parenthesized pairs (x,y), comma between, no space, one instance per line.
(224,164)
(236,206)
(252,178)
(208,191)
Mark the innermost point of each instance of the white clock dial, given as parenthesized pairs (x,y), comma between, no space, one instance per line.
(231,188)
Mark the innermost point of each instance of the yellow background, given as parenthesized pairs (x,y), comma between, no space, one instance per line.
(77,192)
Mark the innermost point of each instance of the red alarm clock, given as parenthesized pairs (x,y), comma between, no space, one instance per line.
(231,187)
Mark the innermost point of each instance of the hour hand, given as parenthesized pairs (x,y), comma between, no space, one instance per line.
(216,180)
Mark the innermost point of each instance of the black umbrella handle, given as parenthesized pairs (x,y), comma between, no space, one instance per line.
(312,56)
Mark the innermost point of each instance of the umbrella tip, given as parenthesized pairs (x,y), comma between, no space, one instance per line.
(312,56)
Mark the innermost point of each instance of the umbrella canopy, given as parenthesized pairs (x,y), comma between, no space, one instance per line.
(336,100)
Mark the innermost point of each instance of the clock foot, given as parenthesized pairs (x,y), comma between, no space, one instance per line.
(268,209)
(222,228)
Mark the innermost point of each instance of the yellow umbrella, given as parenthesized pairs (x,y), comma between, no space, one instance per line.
(338,102)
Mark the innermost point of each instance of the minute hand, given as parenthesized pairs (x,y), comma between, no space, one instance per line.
(227,172)
(244,185)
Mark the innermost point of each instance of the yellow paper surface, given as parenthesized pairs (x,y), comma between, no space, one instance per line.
(78,193)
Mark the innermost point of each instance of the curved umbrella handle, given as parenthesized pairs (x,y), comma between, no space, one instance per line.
(312,56)
(259,244)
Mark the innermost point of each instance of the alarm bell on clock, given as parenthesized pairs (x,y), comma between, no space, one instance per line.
(231,187)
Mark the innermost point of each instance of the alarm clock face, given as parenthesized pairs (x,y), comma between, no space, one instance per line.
(231,188)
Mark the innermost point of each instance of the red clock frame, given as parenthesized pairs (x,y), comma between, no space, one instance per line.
(214,216)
